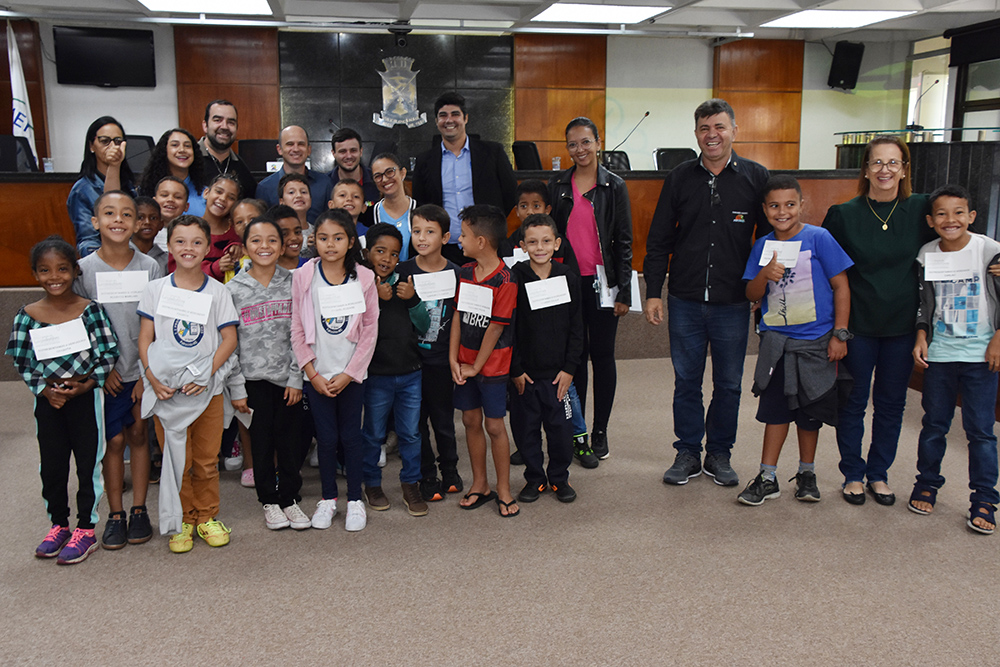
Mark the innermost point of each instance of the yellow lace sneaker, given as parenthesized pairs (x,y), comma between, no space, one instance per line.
(214,533)
(182,542)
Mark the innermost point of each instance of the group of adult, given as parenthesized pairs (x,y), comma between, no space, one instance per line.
(706,219)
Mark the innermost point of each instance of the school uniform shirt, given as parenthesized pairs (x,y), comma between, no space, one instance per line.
(433,343)
(547,340)
(960,316)
(161,256)
(123,314)
(265,328)
(800,305)
(504,289)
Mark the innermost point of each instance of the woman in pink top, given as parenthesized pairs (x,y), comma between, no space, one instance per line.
(591,207)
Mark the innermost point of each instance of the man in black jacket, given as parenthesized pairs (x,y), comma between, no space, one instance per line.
(462,171)
(219,126)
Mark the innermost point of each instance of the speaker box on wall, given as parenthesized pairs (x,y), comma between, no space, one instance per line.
(846,65)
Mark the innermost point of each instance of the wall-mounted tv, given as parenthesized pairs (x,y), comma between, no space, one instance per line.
(105,57)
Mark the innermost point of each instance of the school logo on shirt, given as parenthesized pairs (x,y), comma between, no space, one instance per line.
(334,325)
(188,334)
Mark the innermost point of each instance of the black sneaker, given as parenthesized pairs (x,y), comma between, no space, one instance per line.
(139,529)
(430,489)
(806,489)
(583,453)
(516,459)
(717,467)
(114,532)
(564,492)
(686,465)
(451,481)
(759,490)
(599,443)
(530,493)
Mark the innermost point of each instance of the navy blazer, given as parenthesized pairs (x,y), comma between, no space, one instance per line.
(493,180)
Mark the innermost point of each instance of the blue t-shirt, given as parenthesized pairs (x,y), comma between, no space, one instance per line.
(800,305)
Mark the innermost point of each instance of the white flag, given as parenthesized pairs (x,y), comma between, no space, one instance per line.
(23,126)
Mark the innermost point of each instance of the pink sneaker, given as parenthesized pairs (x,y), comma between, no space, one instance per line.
(53,543)
(80,545)
(246,479)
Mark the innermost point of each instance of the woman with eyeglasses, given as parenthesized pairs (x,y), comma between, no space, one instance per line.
(177,154)
(881,229)
(591,208)
(396,206)
(103,169)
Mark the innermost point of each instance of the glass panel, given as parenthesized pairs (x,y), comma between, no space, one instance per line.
(989,118)
(984,81)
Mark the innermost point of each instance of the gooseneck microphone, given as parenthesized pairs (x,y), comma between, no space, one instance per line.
(630,133)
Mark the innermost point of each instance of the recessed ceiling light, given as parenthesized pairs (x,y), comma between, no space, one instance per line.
(833,18)
(250,7)
(565,12)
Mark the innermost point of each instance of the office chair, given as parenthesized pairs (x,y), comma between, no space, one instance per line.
(666,159)
(526,155)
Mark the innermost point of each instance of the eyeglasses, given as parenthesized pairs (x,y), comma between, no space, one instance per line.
(104,141)
(891,165)
(716,199)
(585,145)
(388,173)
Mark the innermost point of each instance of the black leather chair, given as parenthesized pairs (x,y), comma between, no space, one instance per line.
(256,153)
(666,159)
(138,148)
(16,155)
(615,161)
(526,155)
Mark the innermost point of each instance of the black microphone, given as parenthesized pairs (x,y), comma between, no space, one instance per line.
(916,127)
(634,129)
(936,82)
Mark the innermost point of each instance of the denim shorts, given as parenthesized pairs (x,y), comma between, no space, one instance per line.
(490,394)
(118,411)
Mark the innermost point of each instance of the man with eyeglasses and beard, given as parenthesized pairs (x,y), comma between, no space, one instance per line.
(706,220)
(219,126)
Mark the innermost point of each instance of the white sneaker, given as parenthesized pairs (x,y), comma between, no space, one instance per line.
(314,456)
(235,462)
(246,478)
(381,457)
(275,518)
(325,511)
(356,517)
(296,517)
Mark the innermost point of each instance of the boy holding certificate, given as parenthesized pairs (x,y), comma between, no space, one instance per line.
(435,279)
(115,276)
(548,344)
(479,353)
(186,343)
(958,344)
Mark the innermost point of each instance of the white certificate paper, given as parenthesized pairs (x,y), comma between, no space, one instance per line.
(341,300)
(184,304)
(547,293)
(608,294)
(435,286)
(518,256)
(788,252)
(59,339)
(120,286)
(475,299)
(245,417)
(948,265)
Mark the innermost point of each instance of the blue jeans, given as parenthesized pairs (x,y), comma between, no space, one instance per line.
(385,394)
(338,424)
(978,386)
(579,422)
(890,359)
(694,327)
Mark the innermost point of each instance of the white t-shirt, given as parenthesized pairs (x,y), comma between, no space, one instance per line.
(333,350)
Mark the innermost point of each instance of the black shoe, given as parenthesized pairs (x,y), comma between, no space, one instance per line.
(881,498)
(430,489)
(516,459)
(114,532)
(139,528)
(530,493)
(599,443)
(686,465)
(759,490)
(717,467)
(451,481)
(855,498)
(583,453)
(564,492)
(806,489)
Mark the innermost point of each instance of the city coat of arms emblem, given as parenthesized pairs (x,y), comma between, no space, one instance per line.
(399,94)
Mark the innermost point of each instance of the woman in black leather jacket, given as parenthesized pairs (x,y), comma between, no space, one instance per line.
(591,208)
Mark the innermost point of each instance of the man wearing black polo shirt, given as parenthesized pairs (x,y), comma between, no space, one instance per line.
(706,220)
(220,127)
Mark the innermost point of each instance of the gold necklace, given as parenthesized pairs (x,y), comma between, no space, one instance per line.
(885,223)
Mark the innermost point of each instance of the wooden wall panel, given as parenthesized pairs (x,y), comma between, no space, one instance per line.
(31,212)
(238,64)
(771,155)
(772,117)
(29,45)
(560,61)
(542,113)
(820,194)
(760,64)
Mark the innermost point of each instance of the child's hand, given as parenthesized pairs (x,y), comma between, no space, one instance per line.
(162,391)
(520,381)
(836,350)
(993,353)
(405,290)
(321,385)
(384,289)
(920,350)
(228,260)
(339,383)
(292,395)
(456,373)
(137,390)
(467,371)
(774,270)
(73,387)
(113,385)
(994,269)
(562,382)
(193,389)
(241,405)
(55,397)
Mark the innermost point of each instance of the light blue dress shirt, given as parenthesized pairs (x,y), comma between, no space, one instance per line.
(456,184)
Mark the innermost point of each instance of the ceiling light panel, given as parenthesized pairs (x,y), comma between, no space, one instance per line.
(565,12)
(821,18)
(244,7)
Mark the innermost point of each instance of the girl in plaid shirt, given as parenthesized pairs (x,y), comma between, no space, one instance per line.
(64,347)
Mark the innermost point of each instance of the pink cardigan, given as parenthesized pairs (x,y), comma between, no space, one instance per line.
(362,330)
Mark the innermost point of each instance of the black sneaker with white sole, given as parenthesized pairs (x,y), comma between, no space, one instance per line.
(759,490)
(599,443)
(806,489)
(717,467)
(686,465)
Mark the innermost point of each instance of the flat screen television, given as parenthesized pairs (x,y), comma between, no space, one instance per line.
(105,57)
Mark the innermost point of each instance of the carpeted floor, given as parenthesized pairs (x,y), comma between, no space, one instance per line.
(634,572)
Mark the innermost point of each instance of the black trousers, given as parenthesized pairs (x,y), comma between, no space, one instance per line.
(77,429)
(538,407)
(600,328)
(436,405)
(275,432)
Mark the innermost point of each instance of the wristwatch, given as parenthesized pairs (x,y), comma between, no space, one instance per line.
(843,335)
